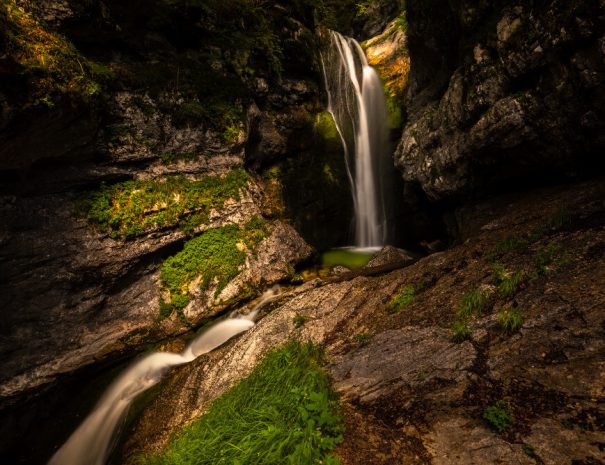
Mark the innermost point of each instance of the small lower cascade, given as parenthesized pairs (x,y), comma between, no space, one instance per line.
(92,442)
(357,103)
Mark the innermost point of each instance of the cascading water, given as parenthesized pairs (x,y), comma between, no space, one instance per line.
(357,103)
(91,443)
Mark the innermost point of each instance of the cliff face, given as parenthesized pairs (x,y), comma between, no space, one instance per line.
(502,92)
(125,128)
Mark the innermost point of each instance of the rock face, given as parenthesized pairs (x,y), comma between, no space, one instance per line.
(108,287)
(411,393)
(72,295)
(501,92)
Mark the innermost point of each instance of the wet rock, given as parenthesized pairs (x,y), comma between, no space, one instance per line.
(267,265)
(377,370)
(389,255)
(375,17)
(113,286)
(461,441)
(265,142)
(552,441)
(79,296)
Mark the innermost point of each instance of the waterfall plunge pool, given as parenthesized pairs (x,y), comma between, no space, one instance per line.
(349,257)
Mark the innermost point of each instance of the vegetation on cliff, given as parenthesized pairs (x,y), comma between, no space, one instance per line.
(285,412)
(51,65)
(132,208)
(214,256)
(388,53)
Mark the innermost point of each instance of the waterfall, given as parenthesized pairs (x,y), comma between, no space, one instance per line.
(91,443)
(357,103)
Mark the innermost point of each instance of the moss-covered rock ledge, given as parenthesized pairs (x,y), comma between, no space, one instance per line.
(113,247)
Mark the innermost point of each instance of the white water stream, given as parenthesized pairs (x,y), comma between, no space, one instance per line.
(357,103)
(91,443)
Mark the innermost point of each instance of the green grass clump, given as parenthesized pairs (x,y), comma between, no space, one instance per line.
(508,282)
(132,208)
(460,330)
(363,338)
(402,300)
(510,320)
(507,245)
(499,416)
(562,217)
(325,126)
(529,450)
(217,254)
(299,320)
(547,256)
(473,302)
(285,412)
(509,285)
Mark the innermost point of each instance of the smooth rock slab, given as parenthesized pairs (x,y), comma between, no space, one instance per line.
(405,357)
(460,441)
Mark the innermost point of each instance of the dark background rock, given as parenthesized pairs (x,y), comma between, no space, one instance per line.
(502,93)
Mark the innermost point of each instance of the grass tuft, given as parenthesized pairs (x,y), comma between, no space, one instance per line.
(473,302)
(510,320)
(460,330)
(562,218)
(299,320)
(508,282)
(548,255)
(507,245)
(363,338)
(499,416)
(284,413)
(529,450)
(402,299)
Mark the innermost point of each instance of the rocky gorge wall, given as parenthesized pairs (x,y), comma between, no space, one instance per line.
(125,131)
(502,93)
(139,139)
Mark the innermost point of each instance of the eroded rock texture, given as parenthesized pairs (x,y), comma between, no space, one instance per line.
(163,98)
(502,92)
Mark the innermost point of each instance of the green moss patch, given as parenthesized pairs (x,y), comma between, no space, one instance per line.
(132,208)
(284,413)
(217,254)
(325,126)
